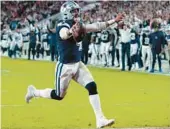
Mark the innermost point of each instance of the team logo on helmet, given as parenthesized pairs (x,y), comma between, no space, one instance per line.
(70,10)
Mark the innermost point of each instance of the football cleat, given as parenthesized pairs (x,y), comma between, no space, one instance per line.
(103,122)
(30,93)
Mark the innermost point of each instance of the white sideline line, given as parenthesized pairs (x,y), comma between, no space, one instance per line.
(139,128)
(6,105)
(97,66)
(142,128)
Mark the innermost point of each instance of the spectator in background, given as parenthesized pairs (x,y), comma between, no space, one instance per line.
(146,50)
(85,44)
(52,41)
(32,44)
(25,35)
(134,46)
(125,43)
(157,42)
(115,46)
(19,41)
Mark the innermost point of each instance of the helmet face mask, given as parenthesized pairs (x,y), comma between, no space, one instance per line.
(70,11)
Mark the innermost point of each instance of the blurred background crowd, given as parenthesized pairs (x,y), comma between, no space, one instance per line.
(18,11)
(37,19)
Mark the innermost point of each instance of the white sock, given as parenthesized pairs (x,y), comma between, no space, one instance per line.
(95,102)
(46,93)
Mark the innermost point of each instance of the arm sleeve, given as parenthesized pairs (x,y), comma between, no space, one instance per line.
(94,27)
(98,26)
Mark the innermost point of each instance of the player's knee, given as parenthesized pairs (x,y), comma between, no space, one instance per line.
(92,88)
(54,96)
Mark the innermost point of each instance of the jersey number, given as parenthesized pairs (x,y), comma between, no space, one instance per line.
(104,37)
(80,46)
(146,40)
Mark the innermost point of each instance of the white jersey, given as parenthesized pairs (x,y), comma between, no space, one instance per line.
(5,36)
(25,35)
(105,36)
(18,39)
(5,40)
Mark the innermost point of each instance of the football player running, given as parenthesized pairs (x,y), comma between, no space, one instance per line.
(69,33)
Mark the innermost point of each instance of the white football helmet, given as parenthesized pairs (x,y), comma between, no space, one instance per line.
(70,10)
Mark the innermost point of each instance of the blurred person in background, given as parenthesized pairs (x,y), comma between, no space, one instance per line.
(39,48)
(146,50)
(45,46)
(16,42)
(105,46)
(25,35)
(32,44)
(157,43)
(12,44)
(52,41)
(114,38)
(85,47)
(117,47)
(95,48)
(125,46)
(19,41)
(4,40)
(134,47)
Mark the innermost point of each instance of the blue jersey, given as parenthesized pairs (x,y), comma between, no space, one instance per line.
(157,40)
(68,50)
(51,39)
(32,38)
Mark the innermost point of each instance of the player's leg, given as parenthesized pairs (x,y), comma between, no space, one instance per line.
(132,53)
(29,51)
(128,55)
(93,52)
(118,56)
(113,52)
(135,50)
(62,79)
(159,62)
(107,53)
(153,60)
(98,53)
(149,58)
(84,77)
(102,51)
(144,56)
(123,56)
(33,51)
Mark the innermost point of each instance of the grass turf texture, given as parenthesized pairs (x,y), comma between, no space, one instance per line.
(133,99)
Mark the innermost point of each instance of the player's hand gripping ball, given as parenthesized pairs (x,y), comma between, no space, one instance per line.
(78,31)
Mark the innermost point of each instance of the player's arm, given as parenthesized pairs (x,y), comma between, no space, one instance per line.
(74,31)
(98,26)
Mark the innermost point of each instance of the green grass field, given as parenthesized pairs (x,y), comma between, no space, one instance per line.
(133,99)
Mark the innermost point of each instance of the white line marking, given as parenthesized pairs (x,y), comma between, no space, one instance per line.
(6,105)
